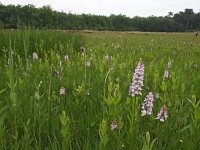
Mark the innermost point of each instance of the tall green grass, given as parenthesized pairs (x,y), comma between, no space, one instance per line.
(33,115)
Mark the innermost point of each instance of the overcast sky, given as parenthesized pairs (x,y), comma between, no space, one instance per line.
(106,7)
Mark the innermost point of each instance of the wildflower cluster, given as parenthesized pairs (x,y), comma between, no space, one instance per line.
(166,75)
(162,115)
(137,80)
(136,88)
(147,105)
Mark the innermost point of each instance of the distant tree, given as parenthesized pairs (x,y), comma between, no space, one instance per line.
(188,17)
(12,16)
(185,18)
(170,14)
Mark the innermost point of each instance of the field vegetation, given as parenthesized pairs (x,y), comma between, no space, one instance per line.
(99,90)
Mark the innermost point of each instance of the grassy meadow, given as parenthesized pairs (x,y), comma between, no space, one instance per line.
(70,90)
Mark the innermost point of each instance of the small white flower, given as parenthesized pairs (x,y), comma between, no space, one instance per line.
(62,91)
(195,65)
(66,58)
(113,126)
(107,57)
(35,56)
(88,63)
(166,75)
(169,64)
(40,84)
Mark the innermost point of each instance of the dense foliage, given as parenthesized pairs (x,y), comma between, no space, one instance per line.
(12,16)
(55,96)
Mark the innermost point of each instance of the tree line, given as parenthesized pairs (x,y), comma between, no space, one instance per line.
(13,17)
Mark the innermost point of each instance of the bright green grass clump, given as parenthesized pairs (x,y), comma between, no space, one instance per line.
(82,101)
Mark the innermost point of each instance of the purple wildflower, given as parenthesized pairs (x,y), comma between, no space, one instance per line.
(147,105)
(35,56)
(137,80)
(62,91)
(113,125)
(162,116)
(57,73)
(166,75)
(82,50)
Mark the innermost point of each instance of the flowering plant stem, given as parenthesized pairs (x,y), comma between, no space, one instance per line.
(133,118)
(13,95)
(85,67)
